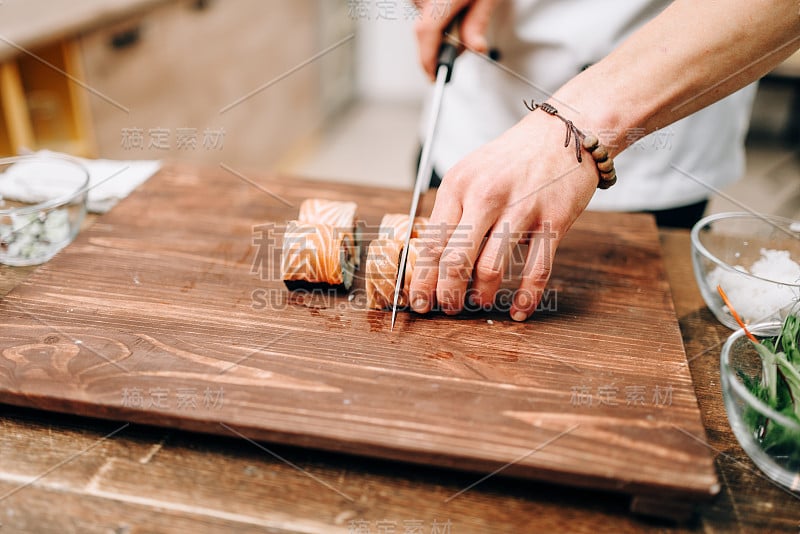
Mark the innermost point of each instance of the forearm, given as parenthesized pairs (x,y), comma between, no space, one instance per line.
(690,56)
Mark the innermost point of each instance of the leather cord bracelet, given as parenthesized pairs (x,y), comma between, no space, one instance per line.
(605,164)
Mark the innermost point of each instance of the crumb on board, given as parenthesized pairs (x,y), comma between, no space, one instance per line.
(489,322)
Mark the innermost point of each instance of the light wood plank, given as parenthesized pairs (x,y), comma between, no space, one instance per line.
(15,108)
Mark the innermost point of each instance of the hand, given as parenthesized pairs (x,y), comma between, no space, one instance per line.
(437,14)
(523,182)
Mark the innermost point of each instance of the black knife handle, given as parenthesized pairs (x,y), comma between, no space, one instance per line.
(449,50)
(447,58)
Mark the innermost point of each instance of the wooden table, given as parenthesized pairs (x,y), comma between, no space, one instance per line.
(70,474)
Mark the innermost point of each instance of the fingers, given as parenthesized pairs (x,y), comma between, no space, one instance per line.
(430,28)
(458,261)
(476,21)
(493,261)
(539,265)
(433,239)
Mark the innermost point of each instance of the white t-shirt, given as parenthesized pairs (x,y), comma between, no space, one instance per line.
(543,44)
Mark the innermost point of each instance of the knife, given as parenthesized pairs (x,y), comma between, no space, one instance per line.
(444,70)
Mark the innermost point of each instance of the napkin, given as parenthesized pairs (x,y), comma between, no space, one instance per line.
(109,180)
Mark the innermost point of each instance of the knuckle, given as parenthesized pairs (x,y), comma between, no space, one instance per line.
(541,272)
(430,249)
(422,284)
(455,266)
(454,181)
(426,267)
(415,293)
(491,197)
(450,298)
(488,272)
(425,274)
(458,273)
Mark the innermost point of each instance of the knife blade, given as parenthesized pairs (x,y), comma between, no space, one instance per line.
(444,70)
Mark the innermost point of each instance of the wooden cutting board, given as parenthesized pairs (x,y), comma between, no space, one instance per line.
(170,311)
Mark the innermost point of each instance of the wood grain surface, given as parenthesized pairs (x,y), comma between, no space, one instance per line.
(153,316)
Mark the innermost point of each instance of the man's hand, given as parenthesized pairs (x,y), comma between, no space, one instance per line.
(437,14)
(520,184)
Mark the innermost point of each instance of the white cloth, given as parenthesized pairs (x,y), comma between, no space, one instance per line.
(543,44)
(109,181)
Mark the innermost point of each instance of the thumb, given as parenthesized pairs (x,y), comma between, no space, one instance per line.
(476,21)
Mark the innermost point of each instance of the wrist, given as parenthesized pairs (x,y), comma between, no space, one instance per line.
(583,143)
(599,108)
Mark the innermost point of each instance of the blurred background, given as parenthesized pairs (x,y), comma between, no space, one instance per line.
(329,89)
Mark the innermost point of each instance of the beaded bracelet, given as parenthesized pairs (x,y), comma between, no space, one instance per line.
(605,164)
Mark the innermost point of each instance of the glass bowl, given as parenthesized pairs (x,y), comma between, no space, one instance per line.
(726,248)
(54,189)
(751,417)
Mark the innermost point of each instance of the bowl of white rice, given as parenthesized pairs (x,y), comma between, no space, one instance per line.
(755,259)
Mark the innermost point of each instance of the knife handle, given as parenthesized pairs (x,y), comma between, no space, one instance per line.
(449,51)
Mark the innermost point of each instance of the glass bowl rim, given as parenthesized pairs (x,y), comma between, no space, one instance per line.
(697,244)
(53,202)
(730,377)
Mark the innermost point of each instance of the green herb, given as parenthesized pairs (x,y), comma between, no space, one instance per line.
(779,388)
